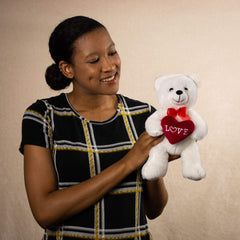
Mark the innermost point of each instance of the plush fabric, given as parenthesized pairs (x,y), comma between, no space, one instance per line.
(181,125)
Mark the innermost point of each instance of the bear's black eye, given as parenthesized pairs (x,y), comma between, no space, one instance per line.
(170,89)
(185,88)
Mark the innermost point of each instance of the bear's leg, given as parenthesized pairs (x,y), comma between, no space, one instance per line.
(191,164)
(157,163)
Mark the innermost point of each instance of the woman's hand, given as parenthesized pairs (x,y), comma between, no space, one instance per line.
(173,157)
(138,155)
(142,147)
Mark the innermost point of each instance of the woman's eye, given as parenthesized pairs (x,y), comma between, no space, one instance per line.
(112,53)
(94,60)
(170,89)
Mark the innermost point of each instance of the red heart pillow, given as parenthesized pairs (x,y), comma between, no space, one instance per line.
(176,131)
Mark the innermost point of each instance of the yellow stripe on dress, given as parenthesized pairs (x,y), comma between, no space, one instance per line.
(138,174)
(92,171)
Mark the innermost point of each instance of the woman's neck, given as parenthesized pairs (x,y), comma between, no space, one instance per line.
(94,107)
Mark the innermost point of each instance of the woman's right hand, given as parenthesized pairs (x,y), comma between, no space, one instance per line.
(140,151)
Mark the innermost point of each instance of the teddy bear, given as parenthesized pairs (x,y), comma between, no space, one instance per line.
(179,123)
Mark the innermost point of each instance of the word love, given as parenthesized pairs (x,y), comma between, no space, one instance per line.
(176,131)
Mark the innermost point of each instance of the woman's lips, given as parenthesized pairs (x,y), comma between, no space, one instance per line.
(109,79)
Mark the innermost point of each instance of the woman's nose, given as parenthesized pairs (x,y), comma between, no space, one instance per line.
(107,65)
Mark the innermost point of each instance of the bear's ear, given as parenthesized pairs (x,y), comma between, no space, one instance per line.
(158,81)
(194,78)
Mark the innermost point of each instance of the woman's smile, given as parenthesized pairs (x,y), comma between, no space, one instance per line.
(110,80)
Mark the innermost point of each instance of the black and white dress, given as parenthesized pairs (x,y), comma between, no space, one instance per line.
(81,149)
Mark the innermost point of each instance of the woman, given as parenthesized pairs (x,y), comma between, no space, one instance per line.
(83,150)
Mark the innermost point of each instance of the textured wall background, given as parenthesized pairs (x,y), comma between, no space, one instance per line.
(153,37)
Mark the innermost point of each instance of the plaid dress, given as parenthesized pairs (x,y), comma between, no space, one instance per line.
(81,149)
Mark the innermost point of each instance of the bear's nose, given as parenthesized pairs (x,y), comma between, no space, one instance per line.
(179,92)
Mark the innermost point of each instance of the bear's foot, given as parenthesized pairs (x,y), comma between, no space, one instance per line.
(195,172)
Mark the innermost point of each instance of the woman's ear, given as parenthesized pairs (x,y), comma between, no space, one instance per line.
(66,69)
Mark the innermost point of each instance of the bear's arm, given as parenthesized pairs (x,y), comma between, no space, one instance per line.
(201,127)
(153,124)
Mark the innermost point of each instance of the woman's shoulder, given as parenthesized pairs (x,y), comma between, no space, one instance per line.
(41,105)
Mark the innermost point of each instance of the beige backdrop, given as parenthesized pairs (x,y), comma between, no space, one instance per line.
(153,37)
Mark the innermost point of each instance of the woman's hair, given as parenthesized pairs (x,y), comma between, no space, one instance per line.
(61,47)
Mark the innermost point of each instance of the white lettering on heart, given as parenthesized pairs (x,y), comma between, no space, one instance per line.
(177,130)
(172,129)
(185,131)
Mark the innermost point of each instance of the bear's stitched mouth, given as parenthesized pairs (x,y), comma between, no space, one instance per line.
(179,100)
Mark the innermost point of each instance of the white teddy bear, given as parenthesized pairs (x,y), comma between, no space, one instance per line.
(181,125)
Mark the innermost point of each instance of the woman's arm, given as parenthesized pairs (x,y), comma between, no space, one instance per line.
(50,205)
(155,195)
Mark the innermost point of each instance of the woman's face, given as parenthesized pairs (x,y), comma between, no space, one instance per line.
(95,64)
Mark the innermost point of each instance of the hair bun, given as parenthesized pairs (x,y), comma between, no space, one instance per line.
(55,79)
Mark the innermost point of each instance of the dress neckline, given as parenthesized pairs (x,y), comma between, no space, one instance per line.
(96,122)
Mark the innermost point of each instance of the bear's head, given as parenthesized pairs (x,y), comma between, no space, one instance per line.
(178,90)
